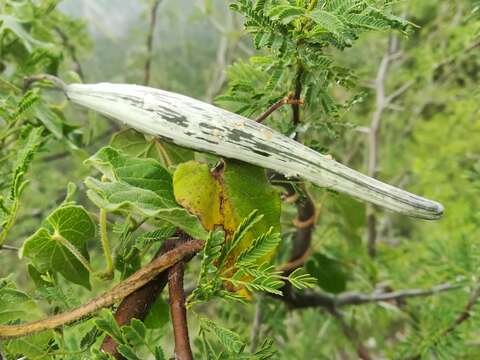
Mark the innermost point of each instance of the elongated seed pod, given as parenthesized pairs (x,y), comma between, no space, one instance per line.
(197,125)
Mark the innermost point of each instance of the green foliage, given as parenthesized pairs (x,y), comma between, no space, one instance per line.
(328,52)
(141,186)
(132,338)
(297,38)
(328,272)
(250,272)
(232,345)
(61,245)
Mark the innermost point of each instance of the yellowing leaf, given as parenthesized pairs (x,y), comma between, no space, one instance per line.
(224,197)
(196,189)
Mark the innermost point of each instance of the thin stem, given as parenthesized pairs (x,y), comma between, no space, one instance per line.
(151,31)
(75,252)
(9,248)
(286,100)
(118,292)
(107,252)
(163,153)
(467,311)
(178,312)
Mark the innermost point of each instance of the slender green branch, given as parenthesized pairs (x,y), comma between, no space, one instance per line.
(107,252)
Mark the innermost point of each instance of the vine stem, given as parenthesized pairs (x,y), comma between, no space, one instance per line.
(178,312)
(118,292)
(107,252)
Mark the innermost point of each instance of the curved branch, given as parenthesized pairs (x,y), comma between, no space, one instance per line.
(118,292)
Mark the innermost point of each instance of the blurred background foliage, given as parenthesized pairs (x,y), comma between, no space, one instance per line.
(428,142)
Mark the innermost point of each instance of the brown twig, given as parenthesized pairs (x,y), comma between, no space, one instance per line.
(461,318)
(467,311)
(138,304)
(118,292)
(178,312)
(286,100)
(296,96)
(151,31)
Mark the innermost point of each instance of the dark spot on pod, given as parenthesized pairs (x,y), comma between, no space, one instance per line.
(238,135)
(261,153)
(207,140)
(208,126)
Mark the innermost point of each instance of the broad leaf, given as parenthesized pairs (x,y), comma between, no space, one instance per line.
(134,143)
(225,197)
(138,185)
(60,246)
(328,272)
(197,190)
(123,197)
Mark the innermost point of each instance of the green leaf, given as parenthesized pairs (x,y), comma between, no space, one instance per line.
(127,352)
(61,245)
(159,314)
(119,196)
(134,143)
(230,340)
(159,354)
(10,23)
(15,304)
(261,248)
(258,278)
(188,178)
(49,119)
(328,272)
(331,23)
(246,189)
(25,155)
(135,332)
(130,142)
(286,13)
(107,323)
(140,185)
(155,236)
(301,280)
(147,174)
